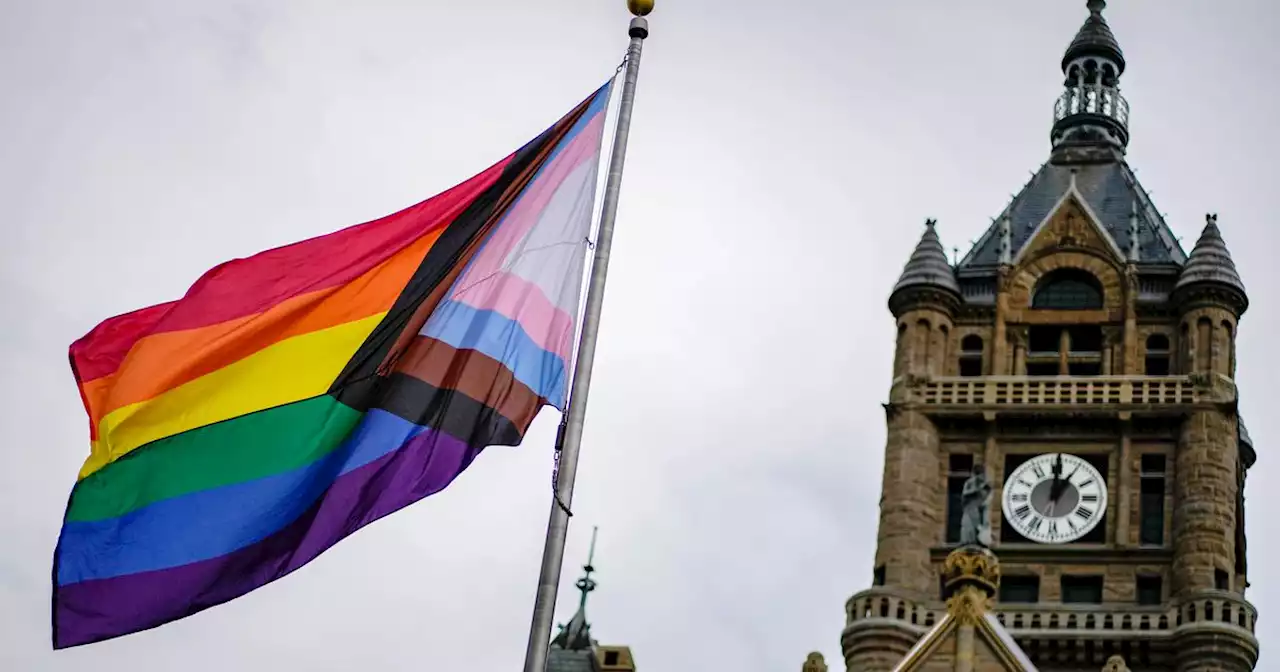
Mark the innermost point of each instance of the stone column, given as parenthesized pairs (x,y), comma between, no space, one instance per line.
(1205,488)
(1018,337)
(999,339)
(1129,364)
(1125,491)
(911,503)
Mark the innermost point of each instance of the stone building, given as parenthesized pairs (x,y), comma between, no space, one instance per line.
(1084,363)
(574,650)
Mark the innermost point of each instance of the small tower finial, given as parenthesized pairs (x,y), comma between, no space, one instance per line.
(576,634)
(1096,6)
(587,584)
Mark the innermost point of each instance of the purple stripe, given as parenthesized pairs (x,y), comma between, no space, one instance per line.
(95,610)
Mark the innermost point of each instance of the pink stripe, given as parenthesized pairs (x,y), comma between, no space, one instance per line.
(525,213)
(523,301)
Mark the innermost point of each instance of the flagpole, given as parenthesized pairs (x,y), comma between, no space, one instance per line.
(544,604)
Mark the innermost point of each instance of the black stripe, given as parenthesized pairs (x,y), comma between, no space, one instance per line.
(449,411)
(442,258)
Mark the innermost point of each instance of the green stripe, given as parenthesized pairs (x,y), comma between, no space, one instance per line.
(241,449)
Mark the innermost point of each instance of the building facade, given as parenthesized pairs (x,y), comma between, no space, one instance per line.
(1083,362)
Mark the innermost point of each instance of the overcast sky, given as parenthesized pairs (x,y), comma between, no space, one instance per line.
(783,159)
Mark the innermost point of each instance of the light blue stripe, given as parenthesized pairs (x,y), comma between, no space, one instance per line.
(209,523)
(503,339)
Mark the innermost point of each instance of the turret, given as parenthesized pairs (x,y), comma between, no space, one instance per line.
(1210,298)
(924,301)
(1212,458)
(1091,118)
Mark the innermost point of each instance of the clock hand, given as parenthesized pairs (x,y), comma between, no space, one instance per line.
(1056,487)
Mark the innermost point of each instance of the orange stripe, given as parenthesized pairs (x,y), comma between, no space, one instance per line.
(163,361)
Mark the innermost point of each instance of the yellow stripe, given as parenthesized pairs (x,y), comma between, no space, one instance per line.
(294,369)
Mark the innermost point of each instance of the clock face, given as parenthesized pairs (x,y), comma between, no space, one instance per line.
(1054,498)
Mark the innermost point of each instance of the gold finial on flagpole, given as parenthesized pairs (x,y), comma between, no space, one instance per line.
(640,7)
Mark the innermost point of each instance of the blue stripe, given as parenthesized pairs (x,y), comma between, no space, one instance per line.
(209,523)
(503,339)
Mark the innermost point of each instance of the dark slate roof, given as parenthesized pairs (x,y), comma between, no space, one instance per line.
(1210,261)
(928,265)
(1110,189)
(576,635)
(562,660)
(1095,38)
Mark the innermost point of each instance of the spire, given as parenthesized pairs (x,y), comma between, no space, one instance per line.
(1006,240)
(1210,264)
(1091,118)
(576,634)
(928,265)
(1095,39)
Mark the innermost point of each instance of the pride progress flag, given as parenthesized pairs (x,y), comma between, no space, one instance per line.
(295,396)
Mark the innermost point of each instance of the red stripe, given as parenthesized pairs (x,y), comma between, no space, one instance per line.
(243,287)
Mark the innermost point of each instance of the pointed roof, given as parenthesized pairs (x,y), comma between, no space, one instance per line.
(1112,193)
(1095,39)
(1210,262)
(989,630)
(928,266)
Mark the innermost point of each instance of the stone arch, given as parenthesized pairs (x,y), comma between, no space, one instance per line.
(1067,289)
(920,338)
(1226,349)
(1204,345)
(1025,280)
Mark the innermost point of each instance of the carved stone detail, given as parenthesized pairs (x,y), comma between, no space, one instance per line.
(815,663)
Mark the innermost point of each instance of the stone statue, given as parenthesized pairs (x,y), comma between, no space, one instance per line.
(975,521)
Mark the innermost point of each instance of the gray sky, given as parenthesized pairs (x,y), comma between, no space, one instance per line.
(783,159)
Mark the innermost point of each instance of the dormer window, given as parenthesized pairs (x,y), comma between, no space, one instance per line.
(1068,289)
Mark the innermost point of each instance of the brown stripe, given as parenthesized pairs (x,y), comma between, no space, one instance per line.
(472,373)
(554,135)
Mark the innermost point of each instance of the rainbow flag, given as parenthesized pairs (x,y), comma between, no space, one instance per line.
(295,396)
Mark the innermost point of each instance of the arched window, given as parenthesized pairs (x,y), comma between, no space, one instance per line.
(971,355)
(1068,289)
(1157,359)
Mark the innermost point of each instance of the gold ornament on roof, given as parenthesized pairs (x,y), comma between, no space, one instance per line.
(1115,664)
(972,565)
(814,663)
(640,7)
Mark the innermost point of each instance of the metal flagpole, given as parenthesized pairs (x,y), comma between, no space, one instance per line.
(544,604)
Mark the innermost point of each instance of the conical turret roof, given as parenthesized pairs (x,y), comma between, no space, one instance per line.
(1095,39)
(928,266)
(1210,262)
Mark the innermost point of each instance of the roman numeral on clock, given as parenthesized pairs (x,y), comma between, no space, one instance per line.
(1088,498)
(1084,512)
(1039,470)
(1022,511)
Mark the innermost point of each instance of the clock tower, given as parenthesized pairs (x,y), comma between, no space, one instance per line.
(1083,363)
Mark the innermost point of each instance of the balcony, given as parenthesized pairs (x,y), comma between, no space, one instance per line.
(1045,629)
(1030,393)
(1094,99)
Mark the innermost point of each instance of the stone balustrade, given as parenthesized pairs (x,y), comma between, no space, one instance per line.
(1023,392)
(1048,621)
